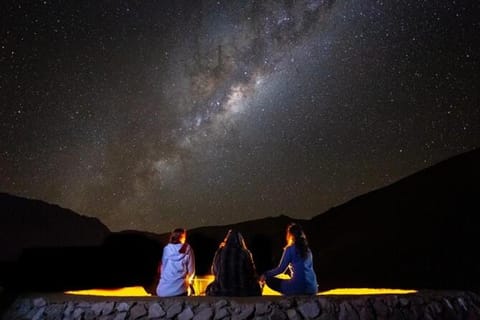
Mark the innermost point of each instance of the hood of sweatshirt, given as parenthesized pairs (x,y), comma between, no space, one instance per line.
(172,251)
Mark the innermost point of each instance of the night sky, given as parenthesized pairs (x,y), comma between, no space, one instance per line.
(155,114)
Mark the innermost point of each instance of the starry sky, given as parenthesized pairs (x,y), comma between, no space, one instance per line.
(155,114)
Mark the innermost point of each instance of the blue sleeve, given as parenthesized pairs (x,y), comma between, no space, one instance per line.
(284,262)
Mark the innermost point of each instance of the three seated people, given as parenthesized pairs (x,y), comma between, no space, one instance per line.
(234,269)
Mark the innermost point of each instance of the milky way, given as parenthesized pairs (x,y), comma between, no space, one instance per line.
(191,113)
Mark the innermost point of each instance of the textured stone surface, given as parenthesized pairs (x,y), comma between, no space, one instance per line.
(262,308)
(245,312)
(108,308)
(174,309)
(423,305)
(220,304)
(221,313)
(39,314)
(205,314)
(186,314)
(309,310)
(155,311)
(137,311)
(97,308)
(120,316)
(123,307)
(39,302)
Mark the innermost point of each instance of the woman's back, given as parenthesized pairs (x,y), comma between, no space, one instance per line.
(303,275)
(233,269)
(178,266)
(235,273)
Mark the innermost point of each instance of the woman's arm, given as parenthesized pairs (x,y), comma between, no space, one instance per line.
(216,258)
(284,262)
(191,264)
(249,264)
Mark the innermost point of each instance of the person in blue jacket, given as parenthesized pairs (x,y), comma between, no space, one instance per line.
(297,257)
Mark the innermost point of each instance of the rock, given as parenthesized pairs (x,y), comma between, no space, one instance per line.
(120,316)
(205,314)
(77,313)
(90,315)
(30,314)
(155,311)
(174,309)
(137,311)
(381,309)
(202,306)
(436,307)
(367,313)
(23,307)
(277,314)
(39,302)
(309,310)
(397,314)
(292,314)
(461,302)
(262,308)
(123,307)
(54,311)
(347,312)
(449,305)
(39,314)
(235,307)
(220,304)
(186,314)
(83,304)
(327,306)
(245,313)
(69,309)
(97,308)
(220,313)
(327,316)
(403,302)
(286,304)
(108,308)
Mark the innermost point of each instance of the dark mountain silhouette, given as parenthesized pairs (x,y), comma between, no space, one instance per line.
(29,223)
(419,232)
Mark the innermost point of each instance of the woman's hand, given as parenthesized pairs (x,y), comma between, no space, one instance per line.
(262,279)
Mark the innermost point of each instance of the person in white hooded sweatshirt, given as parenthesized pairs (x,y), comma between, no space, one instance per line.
(178,266)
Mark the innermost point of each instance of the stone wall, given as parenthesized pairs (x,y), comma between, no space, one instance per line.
(423,305)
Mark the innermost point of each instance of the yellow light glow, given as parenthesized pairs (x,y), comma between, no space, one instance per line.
(200,283)
(267,291)
(120,292)
(364,291)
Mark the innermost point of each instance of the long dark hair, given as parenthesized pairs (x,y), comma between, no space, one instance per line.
(176,235)
(233,239)
(299,239)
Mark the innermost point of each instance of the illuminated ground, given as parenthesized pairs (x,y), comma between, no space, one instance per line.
(140,292)
(200,284)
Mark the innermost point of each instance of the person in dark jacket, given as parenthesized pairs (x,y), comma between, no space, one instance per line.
(297,258)
(234,269)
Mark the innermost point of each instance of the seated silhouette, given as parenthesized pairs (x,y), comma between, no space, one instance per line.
(234,269)
(298,261)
